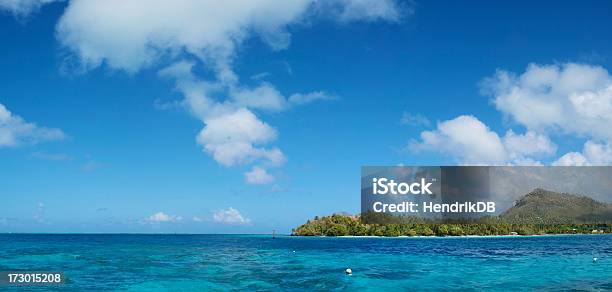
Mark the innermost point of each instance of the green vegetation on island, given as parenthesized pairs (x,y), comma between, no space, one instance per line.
(342,225)
(538,212)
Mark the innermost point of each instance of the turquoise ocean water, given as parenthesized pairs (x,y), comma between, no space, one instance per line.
(259,262)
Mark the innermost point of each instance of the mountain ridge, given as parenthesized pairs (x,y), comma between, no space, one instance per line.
(542,206)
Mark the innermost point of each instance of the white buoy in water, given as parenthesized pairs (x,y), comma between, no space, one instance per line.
(349,271)
(594,259)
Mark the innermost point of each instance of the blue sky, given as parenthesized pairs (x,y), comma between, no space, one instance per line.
(113,120)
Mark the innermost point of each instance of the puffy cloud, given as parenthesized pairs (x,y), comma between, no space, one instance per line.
(131,35)
(528,144)
(21,8)
(231,139)
(163,217)
(470,141)
(196,92)
(570,98)
(264,97)
(258,176)
(199,100)
(571,159)
(230,216)
(14,131)
(267,97)
(232,133)
(593,153)
(466,138)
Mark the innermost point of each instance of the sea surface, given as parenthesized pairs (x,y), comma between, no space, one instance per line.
(259,262)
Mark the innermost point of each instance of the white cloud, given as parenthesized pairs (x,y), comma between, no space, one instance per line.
(163,217)
(232,139)
(258,176)
(571,159)
(21,8)
(197,219)
(199,100)
(196,92)
(466,138)
(230,216)
(570,98)
(470,141)
(14,131)
(131,35)
(264,97)
(528,144)
(232,133)
(593,153)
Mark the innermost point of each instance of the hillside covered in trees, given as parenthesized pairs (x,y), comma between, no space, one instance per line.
(542,206)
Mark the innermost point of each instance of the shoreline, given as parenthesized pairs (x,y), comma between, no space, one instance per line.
(458,236)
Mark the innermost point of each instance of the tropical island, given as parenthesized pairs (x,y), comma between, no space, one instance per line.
(539,212)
